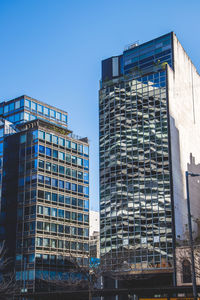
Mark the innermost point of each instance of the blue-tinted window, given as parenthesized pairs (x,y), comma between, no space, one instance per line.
(54,197)
(55,139)
(47,180)
(86,177)
(33,106)
(79,161)
(55,154)
(74,187)
(80,188)
(80,148)
(54,212)
(86,204)
(41,149)
(61,213)
(68,200)
(26,116)
(74,146)
(48,137)
(11,106)
(46,111)
(27,103)
(61,142)
(68,144)
(5,109)
(58,116)
(86,163)
(67,215)
(40,108)
(54,182)
(61,155)
(86,190)
(61,169)
(68,186)
(17,104)
(52,113)
(61,198)
(61,184)
(48,151)
(40,178)
(68,158)
(41,134)
(86,150)
(74,159)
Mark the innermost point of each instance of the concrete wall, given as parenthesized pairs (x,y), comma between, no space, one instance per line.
(184,108)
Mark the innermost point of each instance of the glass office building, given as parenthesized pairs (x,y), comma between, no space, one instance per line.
(141,166)
(45,192)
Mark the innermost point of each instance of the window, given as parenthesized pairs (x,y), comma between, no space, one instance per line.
(48,137)
(60,213)
(74,201)
(74,159)
(41,149)
(85,150)
(68,186)
(33,106)
(46,111)
(48,196)
(58,116)
(40,178)
(68,158)
(80,217)
(86,177)
(40,108)
(61,170)
(79,161)
(67,200)
(23,138)
(54,197)
(74,173)
(53,227)
(41,134)
(68,144)
(61,142)
(86,190)
(47,180)
(46,211)
(61,155)
(80,175)
(54,212)
(86,163)
(48,166)
(52,113)
(27,103)
(54,182)
(61,184)
(186,271)
(80,189)
(61,198)
(80,148)
(67,215)
(17,104)
(55,154)
(55,168)
(55,139)
(74,187)
(74,146)
(48,151)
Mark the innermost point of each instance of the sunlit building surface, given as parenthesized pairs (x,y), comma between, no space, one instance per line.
(45,192)
(148,127)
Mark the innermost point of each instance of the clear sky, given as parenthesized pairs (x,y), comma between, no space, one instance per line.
(52,51)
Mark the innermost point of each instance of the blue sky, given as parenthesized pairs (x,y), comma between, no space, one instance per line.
(52,51)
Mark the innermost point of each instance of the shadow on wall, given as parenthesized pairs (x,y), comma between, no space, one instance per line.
(194,188)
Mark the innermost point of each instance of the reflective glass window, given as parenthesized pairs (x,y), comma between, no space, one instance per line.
(55,154)
(17,104)
(58,116)
(11,106)
(40,108)
(61,155)
(48,151)
(5,108)
(33,106)
(41,134)
(68,144)
(46,111)
(74,146)
(48,137)
(61,142)
(27,103)
(86,150)
(52,113)
(55,139)
(54,182)
(80,148)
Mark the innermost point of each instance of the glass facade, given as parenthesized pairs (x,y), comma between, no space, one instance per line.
(51,195)
(135,187)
